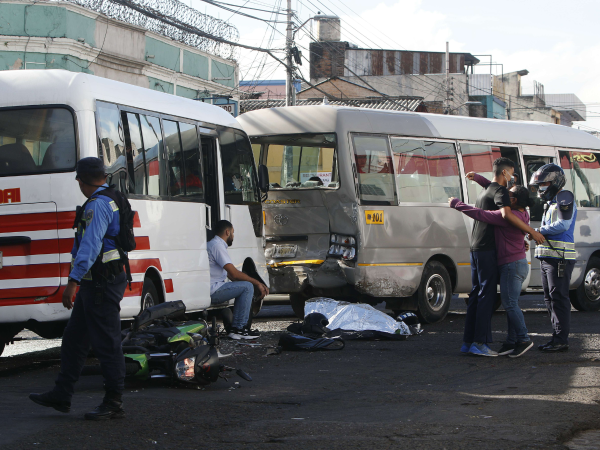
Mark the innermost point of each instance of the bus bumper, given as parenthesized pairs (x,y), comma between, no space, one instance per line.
(384,281)
(290,279)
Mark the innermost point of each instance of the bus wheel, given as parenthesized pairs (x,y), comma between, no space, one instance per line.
(587,296)
(298,300)
(149,294)
(434,293)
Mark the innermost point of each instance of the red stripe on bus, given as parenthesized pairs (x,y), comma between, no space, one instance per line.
(24,296)
(35,271)
(169,286)
(136,289)
(141,265)
(153,169)
(52,246)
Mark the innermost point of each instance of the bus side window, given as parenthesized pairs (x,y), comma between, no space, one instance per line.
(111,144)
(153,149)
(478,158)
(191,155)
(174,159)
(374,168)
(239,177)
(583,176)
(444,175)
(412,173)
(135,154)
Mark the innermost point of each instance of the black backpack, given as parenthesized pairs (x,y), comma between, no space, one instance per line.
(125,240)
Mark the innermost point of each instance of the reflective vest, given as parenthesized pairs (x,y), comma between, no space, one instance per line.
(109,250)
(563,243)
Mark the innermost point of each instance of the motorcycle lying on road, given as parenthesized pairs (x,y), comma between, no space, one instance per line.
(158,345)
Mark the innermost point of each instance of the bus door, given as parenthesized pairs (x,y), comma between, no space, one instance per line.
(210,170)
(535,157)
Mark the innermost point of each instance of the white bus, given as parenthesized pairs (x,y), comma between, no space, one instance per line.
(183,165)
(358,203)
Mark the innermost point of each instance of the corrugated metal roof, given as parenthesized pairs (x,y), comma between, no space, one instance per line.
(388,103)
(567,104)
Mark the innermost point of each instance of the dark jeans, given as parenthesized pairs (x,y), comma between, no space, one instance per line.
(484,276)
(95,321)
(556,296)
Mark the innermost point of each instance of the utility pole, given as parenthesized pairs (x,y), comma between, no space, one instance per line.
(290,94)
(447,101)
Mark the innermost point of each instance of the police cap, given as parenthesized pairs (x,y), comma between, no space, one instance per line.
(91,167)
(564,202)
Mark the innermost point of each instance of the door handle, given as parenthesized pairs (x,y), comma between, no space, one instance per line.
(15,240)
(208,217)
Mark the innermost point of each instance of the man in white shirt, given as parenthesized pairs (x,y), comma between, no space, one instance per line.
(241,286)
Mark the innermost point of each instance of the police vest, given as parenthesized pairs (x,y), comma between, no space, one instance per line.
(109,250)
(563,244)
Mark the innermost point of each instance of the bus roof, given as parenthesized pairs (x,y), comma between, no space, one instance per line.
(81,90)
(328,119)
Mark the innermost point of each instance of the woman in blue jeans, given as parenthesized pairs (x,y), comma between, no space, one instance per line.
(512,261)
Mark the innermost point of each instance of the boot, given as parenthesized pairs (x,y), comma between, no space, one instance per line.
(51,400)
(110,408)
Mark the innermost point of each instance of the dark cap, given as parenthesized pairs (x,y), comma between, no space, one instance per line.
(91,166)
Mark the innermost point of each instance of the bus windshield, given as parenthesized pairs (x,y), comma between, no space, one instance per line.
(300,161)
(36,140)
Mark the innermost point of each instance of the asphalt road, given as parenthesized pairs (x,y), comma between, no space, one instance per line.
(419,394)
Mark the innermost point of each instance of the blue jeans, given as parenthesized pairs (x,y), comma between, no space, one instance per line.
(242,291)
(512,276)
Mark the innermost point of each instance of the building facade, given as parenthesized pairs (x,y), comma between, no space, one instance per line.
(62,35)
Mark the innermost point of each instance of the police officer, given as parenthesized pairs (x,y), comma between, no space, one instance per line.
(95,321)
(557,254)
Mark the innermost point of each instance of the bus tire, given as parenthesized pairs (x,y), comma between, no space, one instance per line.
(298,300)
(150,295)
(587,296)
(2,345)
(434,293)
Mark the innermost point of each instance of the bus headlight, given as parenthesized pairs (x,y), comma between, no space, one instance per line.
(349,254)
(343,240)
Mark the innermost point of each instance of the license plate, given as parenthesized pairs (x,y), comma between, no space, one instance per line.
(285,251)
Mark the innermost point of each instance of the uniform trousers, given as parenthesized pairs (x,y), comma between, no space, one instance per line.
(556,296)
(95,322)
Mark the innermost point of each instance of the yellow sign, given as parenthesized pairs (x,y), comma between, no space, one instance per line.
(374,217)
(584,158)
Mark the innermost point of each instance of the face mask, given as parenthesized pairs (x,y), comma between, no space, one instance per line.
(543,189)
(510,182)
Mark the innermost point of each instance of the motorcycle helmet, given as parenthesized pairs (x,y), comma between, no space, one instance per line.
(548,173)
(315,324)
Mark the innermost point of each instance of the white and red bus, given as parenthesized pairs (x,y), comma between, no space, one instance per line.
(183,165)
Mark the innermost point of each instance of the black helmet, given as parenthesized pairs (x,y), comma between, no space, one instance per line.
(549,173)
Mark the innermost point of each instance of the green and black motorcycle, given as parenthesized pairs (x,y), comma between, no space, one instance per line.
(161,344)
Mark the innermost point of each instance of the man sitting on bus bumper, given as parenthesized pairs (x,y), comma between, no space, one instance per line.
(241,286)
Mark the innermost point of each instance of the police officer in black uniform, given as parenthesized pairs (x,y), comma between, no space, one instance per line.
(95,320)
(557,254)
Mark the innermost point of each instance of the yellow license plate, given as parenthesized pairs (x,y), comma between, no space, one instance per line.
(374,217)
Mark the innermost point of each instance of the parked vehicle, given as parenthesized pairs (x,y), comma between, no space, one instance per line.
(357,207)
(183,165)
(160,346)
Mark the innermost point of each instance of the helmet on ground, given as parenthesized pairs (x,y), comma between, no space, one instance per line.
(548,173)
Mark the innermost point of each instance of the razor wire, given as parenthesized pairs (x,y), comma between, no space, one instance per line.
(172,19)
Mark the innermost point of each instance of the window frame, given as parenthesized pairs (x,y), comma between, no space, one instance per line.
(461,171)
(264,155)
(360,201)
(580,150)
(202,129)
(522,174)
(75,129)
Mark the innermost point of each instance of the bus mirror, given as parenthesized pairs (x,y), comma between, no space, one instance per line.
(263,178)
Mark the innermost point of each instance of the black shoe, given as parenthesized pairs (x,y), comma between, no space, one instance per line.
(506,349)
(51,400)
(521,348)
(240,334)
(108,409)
(541,346)
(555,348)
(253,334)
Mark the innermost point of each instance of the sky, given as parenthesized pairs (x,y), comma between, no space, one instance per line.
(557,44)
